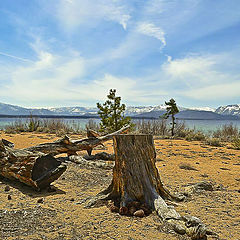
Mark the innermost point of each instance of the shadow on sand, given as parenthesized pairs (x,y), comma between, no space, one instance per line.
(26,190)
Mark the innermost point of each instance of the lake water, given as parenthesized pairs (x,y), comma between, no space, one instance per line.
(203,125)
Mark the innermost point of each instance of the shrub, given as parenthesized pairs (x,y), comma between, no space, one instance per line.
(91,124)
(57,126)
(227,132)
(236,143)
(181,130)
(16,127)
(214,142)
(32,124)
(154,127)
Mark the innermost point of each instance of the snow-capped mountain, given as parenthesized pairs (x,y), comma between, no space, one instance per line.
(133,111)
(74,111)
(223,112)
(209,109)
(229,110)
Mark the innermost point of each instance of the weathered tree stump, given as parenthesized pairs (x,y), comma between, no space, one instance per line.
(136,181)
(37,170)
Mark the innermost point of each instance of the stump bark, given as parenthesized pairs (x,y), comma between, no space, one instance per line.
(136,181)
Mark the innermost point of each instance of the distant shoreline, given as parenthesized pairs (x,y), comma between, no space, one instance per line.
(97,117)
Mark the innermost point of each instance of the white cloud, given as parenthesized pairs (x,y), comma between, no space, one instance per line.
(195,70)
(202,77)
(217,92)
(50,77)
(75,13)
(15,57)
(151,30)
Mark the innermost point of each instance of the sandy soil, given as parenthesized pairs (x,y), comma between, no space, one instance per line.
(62,216)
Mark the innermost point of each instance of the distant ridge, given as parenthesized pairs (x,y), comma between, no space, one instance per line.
(231,112)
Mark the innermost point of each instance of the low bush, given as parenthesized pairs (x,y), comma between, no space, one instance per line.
(91,124)
(215,142)
(56,126)
(154,127)
(227,132)
(16,127)
(193,135)
(236,143)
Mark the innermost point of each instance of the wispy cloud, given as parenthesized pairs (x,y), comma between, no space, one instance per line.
(75,13)
(15,57)
(217,92)
(151,30)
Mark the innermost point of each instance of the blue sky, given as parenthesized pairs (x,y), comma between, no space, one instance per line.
(71,52)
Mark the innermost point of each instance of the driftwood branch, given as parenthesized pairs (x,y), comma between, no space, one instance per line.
(66,145)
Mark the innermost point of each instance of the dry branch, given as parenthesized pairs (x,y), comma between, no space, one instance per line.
(66,145)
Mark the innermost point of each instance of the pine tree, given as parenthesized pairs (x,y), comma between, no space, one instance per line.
(172,109)
(112,113)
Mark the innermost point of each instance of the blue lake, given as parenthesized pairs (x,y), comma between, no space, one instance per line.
(203,125)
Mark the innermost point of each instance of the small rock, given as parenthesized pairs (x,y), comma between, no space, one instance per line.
(146,210)
(123,210)
(114,208)
(40,200)
(7,189)
(9,197)
(139,213)
(132,210)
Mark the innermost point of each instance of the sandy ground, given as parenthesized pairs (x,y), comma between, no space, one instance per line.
(62,216)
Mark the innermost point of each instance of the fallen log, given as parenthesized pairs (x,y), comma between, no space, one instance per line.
(37,170)
(137,189)
(66,145)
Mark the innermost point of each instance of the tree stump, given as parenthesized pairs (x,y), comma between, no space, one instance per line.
(135,176)
(136,186)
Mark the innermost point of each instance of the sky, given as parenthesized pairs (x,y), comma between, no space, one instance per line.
(57,53)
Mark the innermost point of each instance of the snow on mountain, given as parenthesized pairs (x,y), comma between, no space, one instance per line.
(74,111)
(132,111)
(229,110)
(209,109)
(7,109)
